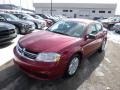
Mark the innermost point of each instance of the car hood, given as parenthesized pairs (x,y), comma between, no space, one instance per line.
(6,26)
(29,22)
(37,20)
(18,22)
(46,41)
(24,21)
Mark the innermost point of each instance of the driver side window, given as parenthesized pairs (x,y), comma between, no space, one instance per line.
(92,29)
(99,27)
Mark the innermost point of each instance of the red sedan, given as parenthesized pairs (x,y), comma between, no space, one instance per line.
(59,50)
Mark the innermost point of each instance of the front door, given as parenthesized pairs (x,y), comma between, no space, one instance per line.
(90,45)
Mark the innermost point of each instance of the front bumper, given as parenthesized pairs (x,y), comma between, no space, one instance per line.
(39,70)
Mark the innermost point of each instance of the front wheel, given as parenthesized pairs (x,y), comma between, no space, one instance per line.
(73,65)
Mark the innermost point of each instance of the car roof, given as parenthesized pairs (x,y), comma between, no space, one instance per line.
(86,21)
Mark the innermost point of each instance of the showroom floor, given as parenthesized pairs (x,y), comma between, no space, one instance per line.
(6,51)
(99,72)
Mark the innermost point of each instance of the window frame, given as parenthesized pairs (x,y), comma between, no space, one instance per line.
(71,10)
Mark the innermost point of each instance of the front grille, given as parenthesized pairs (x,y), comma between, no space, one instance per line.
(7,32)
(26,54)
(28,26)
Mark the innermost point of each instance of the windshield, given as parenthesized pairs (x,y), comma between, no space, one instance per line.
(69,28)
(28,16)
(37,17)
(10,17)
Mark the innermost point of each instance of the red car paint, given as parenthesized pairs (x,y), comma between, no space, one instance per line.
(66,46)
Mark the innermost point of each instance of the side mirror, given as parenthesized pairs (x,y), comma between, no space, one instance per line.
(91,36)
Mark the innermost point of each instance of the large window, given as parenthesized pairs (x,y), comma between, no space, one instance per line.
(101,11)
(65,10)
(109,11)
(93,11)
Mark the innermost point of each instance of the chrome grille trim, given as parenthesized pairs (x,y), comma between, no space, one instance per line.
(28,55)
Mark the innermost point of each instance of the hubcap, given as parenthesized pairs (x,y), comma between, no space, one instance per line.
(103,45)
(73,66)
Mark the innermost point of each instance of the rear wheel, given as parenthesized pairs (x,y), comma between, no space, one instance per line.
(117,31)
(102,48)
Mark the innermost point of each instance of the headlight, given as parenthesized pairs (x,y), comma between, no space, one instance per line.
(48,57)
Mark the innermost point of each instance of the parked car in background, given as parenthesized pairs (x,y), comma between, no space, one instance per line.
(116,28)
(39,24)
(55,18)
(59,50)
(62,16)
(47,17)
(7,33)
(48,21)
(22,27)
(99,18)
(110,22)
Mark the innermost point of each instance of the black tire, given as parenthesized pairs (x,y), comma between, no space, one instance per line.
(36,26)
(110,26)
(67,73)
(117,31)
(17,30)
(102,48)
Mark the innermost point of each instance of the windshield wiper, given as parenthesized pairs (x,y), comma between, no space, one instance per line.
(60,33)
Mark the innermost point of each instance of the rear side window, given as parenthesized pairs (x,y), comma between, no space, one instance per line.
(99,27)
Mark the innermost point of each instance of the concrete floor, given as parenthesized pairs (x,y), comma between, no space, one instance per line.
(101,71)
(6,51)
